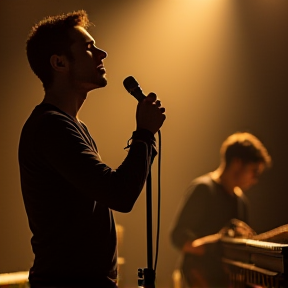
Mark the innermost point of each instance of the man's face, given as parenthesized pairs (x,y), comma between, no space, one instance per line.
(86,70)
(248,174)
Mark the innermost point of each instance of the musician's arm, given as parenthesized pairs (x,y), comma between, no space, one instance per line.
(198,246)
(192,216)
(191,247)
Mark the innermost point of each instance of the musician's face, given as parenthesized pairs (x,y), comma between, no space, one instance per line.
(86,69)
(248,174)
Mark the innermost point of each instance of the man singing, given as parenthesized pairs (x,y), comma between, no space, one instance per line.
(69,193)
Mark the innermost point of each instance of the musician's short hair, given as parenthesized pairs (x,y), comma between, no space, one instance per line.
(246,147)
(51,36)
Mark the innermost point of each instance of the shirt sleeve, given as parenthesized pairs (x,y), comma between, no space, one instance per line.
(191,216)
(61,145)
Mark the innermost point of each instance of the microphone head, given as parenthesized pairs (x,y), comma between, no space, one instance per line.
(132,86)
(130,83)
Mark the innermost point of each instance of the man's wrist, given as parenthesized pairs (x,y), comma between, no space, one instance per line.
(144,135)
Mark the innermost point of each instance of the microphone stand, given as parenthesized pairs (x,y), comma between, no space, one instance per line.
(146,276)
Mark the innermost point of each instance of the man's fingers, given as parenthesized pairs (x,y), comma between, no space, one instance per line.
(158,103)
(151,97)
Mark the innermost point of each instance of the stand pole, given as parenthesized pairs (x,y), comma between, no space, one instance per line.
(146,276)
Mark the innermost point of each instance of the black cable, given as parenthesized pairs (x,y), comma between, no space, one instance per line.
(159,201)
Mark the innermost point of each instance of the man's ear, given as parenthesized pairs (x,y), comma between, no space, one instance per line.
(59,63)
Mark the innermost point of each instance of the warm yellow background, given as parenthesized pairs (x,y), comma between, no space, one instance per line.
(219,66)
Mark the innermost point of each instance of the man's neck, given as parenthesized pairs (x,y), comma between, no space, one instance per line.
(68,102)
(222,177)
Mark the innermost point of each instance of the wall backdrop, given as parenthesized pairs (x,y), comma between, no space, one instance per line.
(219,66)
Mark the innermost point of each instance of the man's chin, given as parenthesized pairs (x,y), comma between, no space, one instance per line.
(102,83)
(245,188)
(98,84)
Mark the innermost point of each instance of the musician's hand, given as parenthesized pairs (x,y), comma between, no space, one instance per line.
(150,114)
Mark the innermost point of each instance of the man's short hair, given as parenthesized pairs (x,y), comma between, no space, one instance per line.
(246,147)
(51,36)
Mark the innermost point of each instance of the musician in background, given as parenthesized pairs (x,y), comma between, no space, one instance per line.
(210,202)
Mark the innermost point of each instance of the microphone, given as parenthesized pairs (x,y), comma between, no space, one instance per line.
(132,86)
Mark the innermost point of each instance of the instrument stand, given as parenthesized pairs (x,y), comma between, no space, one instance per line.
(146,276)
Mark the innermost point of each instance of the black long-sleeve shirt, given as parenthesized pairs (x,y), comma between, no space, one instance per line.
(206,208)
(68,194)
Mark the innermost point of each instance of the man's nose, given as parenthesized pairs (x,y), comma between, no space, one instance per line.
(101,53)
